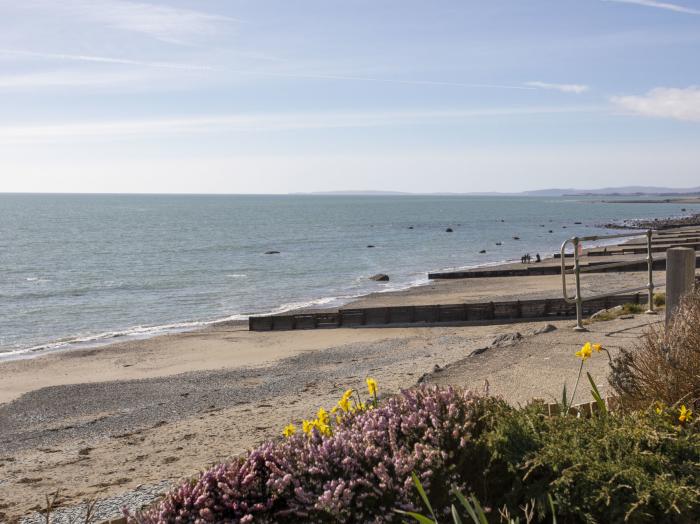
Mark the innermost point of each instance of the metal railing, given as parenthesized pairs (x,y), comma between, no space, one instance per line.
(578,299)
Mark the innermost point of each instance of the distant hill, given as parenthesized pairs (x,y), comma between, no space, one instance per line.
(356,193)
(554,192)
(615,191)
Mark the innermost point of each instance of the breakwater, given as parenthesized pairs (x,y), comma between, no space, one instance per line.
(483,312)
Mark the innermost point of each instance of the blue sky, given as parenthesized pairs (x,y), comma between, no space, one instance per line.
(257,96)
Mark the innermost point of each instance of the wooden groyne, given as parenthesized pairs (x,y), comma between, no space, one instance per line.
(485,312)
(529,271)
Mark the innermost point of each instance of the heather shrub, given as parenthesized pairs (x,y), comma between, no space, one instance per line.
(358,473)
(666,365)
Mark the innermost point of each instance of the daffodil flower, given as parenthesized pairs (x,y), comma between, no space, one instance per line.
(289,430)
(372,387)
(684,414)
(585,352)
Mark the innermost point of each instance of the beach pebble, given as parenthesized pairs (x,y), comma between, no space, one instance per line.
(506,339)
(544,329)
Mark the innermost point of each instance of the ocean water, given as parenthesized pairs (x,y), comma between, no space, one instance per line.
(84,269)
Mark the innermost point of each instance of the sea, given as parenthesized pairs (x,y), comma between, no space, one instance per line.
(84,270)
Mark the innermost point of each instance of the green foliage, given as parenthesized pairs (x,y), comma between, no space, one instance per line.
(639,467)
(659,299)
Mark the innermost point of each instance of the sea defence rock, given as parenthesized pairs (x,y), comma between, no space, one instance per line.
(658,224)
(380,277)
(272,252)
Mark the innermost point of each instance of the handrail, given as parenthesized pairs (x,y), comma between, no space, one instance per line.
(578,299)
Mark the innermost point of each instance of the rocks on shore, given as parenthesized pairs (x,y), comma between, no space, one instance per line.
(380,277)
(657,223)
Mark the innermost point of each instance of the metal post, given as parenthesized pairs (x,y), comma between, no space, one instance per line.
(579,299)
(650,285)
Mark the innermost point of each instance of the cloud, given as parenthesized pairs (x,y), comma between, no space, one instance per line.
(52,79)
(124,129)
(564,88)
(659,5)
(165,23)
(260,72)
(664,102)
(105,60)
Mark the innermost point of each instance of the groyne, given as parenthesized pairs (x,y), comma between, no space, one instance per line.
(482,312)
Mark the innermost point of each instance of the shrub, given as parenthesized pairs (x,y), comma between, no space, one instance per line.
(636,467)
(666,366)
(359,473)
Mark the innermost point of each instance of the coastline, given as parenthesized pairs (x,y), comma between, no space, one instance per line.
(106,421)
(101,340)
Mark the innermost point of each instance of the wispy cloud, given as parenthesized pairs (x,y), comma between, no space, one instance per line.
(664,102)
(105,60)
(54,79)
(165,23)
(258,72)
(140,128)
(564,88)
(659,5)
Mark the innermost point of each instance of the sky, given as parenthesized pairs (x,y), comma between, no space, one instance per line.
(278,96)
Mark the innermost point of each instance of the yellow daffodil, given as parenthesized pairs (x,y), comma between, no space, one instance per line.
(597,348)
(307,426)
(659,408)
(344,402)
(585,352)
(684,414)
(289,430)
(322,416)
(372,387)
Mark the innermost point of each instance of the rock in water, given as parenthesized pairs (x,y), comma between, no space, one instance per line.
(482,251)
(380,277)
(448,230)
(272,252)
(370,246)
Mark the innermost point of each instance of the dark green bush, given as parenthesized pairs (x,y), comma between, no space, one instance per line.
(638,467)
